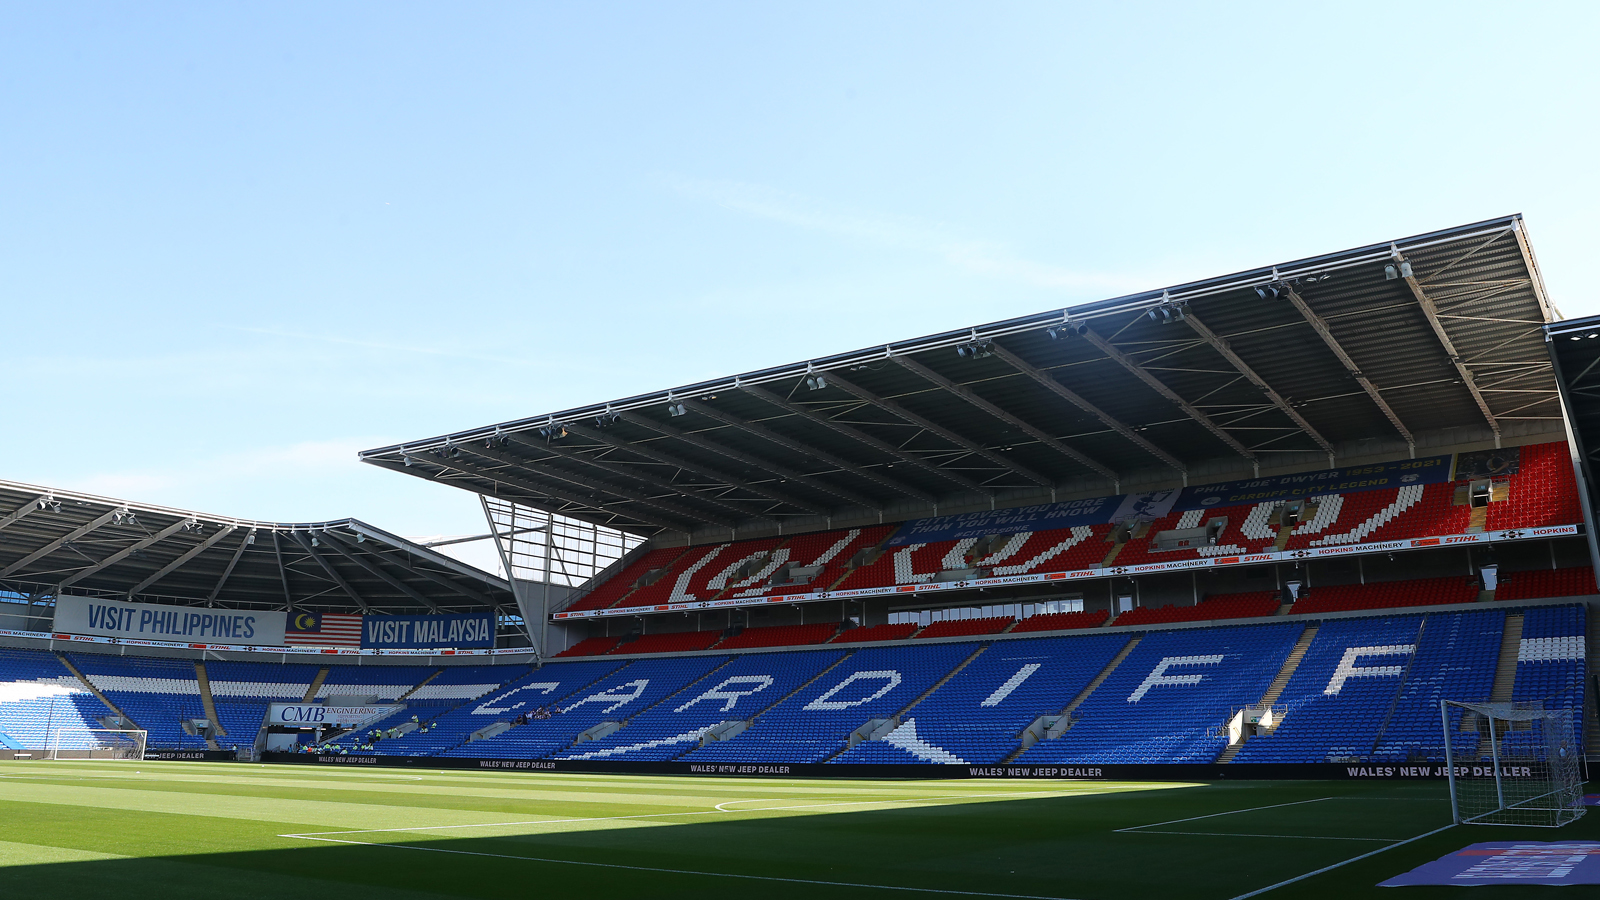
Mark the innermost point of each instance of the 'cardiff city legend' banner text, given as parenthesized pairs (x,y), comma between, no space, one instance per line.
(427,632)
(1351,479)
(114,618)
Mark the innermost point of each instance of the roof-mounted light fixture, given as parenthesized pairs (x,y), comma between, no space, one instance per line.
(1067,329)
(816,382)
(676,409)
(1169,311)
(975,349)
(555,431)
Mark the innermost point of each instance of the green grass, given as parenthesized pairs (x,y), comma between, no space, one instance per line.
(129,830)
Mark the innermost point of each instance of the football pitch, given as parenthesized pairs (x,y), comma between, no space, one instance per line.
(82,829)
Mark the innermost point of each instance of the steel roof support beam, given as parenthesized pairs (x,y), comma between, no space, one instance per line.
(1432,313)
(709,411)
(57,544)
(244,541)
(854,433)
(783,473)
(668,459)
(283,571)
(1050,384)
(178,563)
(522,482)
(967,394)
(637,475)
(665,506)
(125,552)
(1144,375)
(337,542)
(16,515)
(900,412)
(1222,347)
(467,592)
(332,572)
(1320,326)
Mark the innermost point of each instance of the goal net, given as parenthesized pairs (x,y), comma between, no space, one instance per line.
(96,743)
(1511,764)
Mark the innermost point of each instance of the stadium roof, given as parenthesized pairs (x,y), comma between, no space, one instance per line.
(1379,351)
(59,542)
(1575,346)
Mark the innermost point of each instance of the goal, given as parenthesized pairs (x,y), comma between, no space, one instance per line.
(1511,764)
(96,743)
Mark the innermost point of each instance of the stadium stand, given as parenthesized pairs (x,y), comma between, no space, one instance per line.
(541,688)
(1541,492)
(979,714)
(672,642)
(242,691)
(159,694)
(37,696)
(385,683)
(736,692)
(1220,606)
(966,627)
(1538,583)
(896,632)
(1456,658)
(1336,702)
(1551,661)
(781,636)
(1063,621)
(594,646)
(624,694)
(816,722)
(1164,702)
(1386,595)
(616,587)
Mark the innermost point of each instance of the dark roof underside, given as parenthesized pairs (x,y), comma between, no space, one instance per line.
(57,542)
(1424,342)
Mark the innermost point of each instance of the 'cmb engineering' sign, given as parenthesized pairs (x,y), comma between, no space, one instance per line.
(305,714)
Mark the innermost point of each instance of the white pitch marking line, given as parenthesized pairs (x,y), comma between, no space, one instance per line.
(1304,837)
(575,862)
(1227,813)
(1273,887)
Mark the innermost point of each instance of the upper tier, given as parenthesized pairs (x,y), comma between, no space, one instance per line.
(1457,498)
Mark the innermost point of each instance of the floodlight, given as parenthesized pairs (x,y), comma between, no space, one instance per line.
(1390,273)
(975,349)
(676,409)
(1067,329)
(1405,269)
(816,382)
(1269,291)
(553,432)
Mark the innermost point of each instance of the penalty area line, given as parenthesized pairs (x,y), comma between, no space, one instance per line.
(1289,881)
(599,865)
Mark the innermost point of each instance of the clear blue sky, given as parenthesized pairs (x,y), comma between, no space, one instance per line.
(239,242)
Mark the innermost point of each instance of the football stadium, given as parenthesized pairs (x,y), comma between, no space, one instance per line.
(1280,583)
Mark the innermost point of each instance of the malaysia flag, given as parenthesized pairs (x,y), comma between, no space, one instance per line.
(323,630)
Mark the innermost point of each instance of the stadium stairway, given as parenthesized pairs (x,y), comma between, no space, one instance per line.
(883,727)
(1065,716)
(1275,689)
(208,703)
(1505,671)
(89,686)
(316,685)
(419,685)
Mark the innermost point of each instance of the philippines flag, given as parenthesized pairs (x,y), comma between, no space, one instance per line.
(323,630)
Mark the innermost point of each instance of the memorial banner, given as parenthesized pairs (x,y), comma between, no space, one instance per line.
(115,618)
(1351,479)
(1044,517)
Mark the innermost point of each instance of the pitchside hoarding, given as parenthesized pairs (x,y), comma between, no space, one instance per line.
(118,619)
(464,631)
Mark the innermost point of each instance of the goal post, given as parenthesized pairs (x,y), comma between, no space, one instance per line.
(1511,764)
(96,743)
